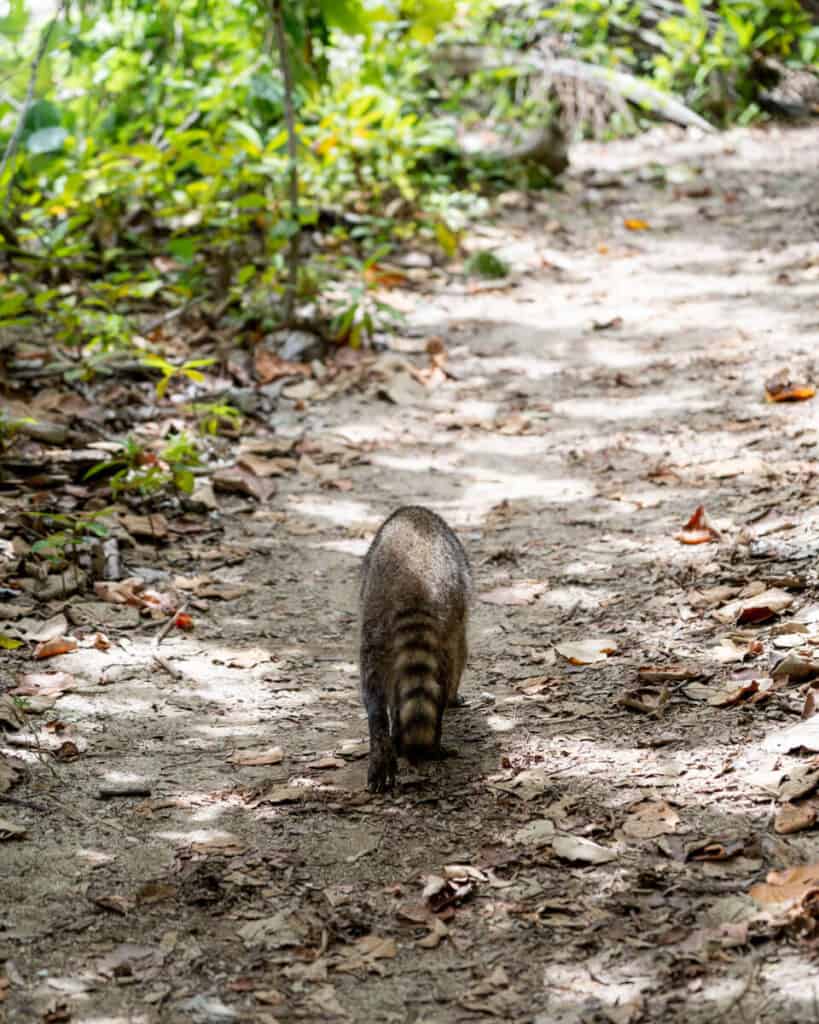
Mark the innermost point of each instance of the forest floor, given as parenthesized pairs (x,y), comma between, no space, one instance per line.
(633,760)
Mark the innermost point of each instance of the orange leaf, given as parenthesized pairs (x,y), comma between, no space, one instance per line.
(788,885)
(183,621)
(697,530)
(781,387)
(636,224)
(270,367)
(384,277)
(792,394)
(51,648)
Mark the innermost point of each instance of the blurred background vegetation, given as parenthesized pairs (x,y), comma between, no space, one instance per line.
(146,168)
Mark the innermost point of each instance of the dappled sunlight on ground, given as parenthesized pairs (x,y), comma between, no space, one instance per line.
(588,408)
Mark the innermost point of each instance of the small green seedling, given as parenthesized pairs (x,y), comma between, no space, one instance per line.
(139,471)
(189,369)
(487,264)
(213,416)
(63,545)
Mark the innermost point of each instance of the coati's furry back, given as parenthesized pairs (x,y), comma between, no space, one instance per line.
(415,589)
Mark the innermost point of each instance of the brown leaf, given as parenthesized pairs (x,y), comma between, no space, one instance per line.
(260,466)
(59,645)
(794,818)
(788,885)
(667,673)
(437,931)
(714,849)
(383,276)
(270,367)
(651,818)
(698,529)
(255,758)
(800,781)
(155,892)
(237,481)
(736,695)
(756,608)
(152,527)
(647,699)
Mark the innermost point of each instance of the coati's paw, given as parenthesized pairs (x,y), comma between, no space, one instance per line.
(383,766)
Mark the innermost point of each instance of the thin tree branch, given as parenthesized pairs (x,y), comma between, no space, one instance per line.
(292,157)
(14,141)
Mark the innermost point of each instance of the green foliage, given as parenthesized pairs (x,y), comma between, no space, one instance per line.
(152,168)
(487,264)
(708,53)
(189,369)
(10,428)
(160,134)
(211,417)
(135,470)
(74,531)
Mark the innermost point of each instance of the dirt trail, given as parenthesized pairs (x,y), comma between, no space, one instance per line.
(591,406)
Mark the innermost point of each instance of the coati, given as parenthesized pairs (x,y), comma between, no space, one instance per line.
(415,586)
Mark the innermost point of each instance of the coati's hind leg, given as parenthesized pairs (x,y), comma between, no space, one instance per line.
(457,661)
(382,763)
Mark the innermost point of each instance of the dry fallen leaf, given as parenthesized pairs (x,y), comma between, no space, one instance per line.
(734,695)
(800,781)
(698,530)
(379,275)
(647,699)
(802,735)
(59,645)
(237,481)
(788,885)
(538,832)
(152,527)
(44,684)
(792,818)
(651,818)
(587,652)
(253,758)
(668,673)
(270,367)
(126,591)
(714,849)
(437,931)
(782,387)
(260,466)
(584,851)
(755,609)
(11,830)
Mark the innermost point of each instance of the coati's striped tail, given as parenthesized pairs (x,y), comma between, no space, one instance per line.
(419,695)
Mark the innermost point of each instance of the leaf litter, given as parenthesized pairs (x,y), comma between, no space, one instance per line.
(549,818)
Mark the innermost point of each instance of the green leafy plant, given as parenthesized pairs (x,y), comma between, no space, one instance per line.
(212,417)
(9,429)
(487,264)
(136,470)
(73,532)
(189,369)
